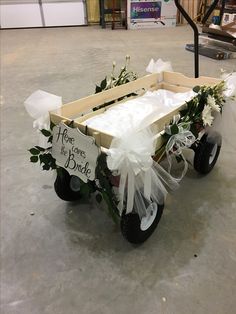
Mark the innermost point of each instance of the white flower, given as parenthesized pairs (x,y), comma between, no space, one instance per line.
(212,103)
(230,83)
(206,116)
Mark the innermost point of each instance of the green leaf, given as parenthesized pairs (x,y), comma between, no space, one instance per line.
(104,83)
(194,130)
(34,151)
(60,172)
(34,158)
(84,190)
(174,129)
(165,137)
(52,125)
(183,112)
(97,89)
(45,158)
(99,198)
(46,167)
(45,132)
(110,207)
(53,165)
(179,158)
(103,173)
(50,139)
(196,89)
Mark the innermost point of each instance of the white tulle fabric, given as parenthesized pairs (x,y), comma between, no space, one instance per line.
(140,177)
(131,151)
(230,81)
(38,106)
(175,146)
(127,116)
(159,66)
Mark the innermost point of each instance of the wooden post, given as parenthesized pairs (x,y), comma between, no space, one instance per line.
(97,137)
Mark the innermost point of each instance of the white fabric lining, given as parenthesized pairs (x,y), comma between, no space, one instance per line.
(126,116)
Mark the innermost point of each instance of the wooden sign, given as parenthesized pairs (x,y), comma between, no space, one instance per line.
(75,152)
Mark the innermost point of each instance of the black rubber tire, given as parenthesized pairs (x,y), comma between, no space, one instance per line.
(130,226)
(63,189)
(203,153)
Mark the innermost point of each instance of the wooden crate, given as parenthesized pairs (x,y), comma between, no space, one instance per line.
(80,110)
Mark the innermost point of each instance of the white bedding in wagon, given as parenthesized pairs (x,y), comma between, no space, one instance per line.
(128,115)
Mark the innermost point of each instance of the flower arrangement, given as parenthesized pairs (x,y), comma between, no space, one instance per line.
(202,107)
(124,76)
(200,111)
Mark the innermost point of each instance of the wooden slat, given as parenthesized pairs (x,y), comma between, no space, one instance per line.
(56,118)
(79,106)
(175,82)
(182,80)
(175,88)
(91,114)
(105,139)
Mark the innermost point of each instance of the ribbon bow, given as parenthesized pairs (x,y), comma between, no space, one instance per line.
(177,142)
(140,176)
(131,156)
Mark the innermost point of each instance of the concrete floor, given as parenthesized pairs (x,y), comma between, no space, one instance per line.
(70,258)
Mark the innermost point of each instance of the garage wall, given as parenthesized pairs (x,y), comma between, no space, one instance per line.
(41,13)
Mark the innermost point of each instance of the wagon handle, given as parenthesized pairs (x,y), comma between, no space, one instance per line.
(195,30)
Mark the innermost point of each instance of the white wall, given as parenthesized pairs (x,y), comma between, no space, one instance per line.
(35,13)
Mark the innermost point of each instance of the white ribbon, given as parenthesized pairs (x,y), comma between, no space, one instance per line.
(131,156)
(140,176)
(159,66)
(38,106)
(176,144)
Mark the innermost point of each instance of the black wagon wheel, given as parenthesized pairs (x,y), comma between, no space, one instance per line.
(137,230)
(206,153)
(67,187)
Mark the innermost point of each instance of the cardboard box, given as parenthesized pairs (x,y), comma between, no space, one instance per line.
(151,13)
(228,18)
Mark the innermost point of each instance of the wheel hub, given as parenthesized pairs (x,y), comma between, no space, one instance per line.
(213,153)
(75,183)
(147,220)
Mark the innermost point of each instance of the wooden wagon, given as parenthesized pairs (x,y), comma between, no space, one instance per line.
(136,229)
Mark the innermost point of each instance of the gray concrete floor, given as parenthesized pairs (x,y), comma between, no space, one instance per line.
(70,258)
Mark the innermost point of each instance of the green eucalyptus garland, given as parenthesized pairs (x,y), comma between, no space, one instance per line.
(43,155)
(198,113)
